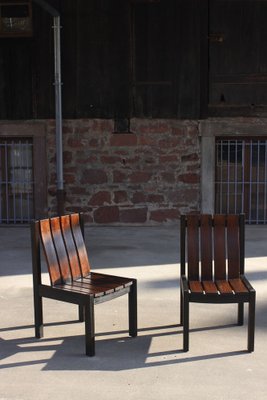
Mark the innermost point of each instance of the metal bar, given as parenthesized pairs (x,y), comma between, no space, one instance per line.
(13,183)
(221,177)
(22,180)
(265,183)
(59,146)
(258,181)
(235,179)
(250,179)
(243,176)
(228,176)
(6,184)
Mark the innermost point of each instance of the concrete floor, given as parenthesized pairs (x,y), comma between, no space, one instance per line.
(151,366)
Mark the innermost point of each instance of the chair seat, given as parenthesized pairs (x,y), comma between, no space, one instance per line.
(219,287)
(96,284)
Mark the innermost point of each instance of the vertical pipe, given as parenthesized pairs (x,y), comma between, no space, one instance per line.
(58,106)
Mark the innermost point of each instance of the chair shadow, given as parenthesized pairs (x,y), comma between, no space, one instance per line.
(112,353)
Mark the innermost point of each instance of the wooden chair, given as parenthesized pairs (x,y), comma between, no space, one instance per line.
(62,240)
(212,267)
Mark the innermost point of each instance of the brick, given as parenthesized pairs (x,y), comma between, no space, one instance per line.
(134,215)
(69,178)
(138,197)
(67,157)
(155,198)
(77,190)
(94,176)
(190,157)
(106,215)
(189,178)
(120,196)
(168,158)
(140,177)
(110,159)
(123,139)
(119,177)
(154,126)
(100,198)
(164,215)
(75,143)
(168,177)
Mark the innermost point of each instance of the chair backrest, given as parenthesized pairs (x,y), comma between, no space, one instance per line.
(64,248)
(212,247)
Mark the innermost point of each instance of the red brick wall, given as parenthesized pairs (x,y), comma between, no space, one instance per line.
(148,176)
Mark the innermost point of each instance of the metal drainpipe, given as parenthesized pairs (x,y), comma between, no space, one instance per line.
(58,104)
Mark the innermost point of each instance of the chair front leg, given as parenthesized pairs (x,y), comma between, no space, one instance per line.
(38,316)
(132,309)
(240,315)
(81,313)
(251,321)
(89,327)
(185,321)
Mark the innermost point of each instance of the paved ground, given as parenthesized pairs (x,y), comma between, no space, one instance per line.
(151,366)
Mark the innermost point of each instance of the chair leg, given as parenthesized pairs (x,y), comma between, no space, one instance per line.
(81,313)
(181,308)
(89,328)
(185,322)
(38,316)
(240,315)
(132,306)
(251,321)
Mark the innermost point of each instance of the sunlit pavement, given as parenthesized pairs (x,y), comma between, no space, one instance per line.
(151,366)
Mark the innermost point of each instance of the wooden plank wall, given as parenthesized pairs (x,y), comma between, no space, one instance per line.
(132,58)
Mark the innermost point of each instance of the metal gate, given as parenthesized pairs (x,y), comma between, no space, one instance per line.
(16,181)
(241,178)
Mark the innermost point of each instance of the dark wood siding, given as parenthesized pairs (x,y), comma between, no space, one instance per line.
(138,58)
(238,60)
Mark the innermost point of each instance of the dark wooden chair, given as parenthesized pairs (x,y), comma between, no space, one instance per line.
(212,267)
(62,240)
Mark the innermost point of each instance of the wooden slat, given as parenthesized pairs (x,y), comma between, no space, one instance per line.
(219,247)
(71,287)
(210,287)
(206,247)
(224,287)
(99,287)
(238,286)
(193,246)
(79,241)
(60,249)
(70,247)
(118,280)
(50,252)
(195,286)
(233,246)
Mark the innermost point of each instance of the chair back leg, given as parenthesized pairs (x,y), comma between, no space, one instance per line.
(251,322)
(132,302)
